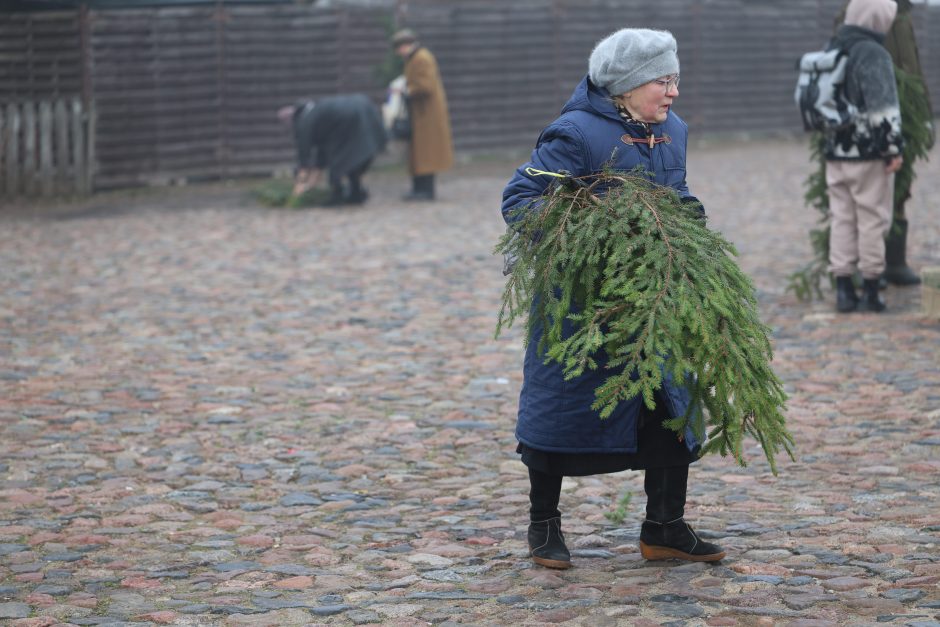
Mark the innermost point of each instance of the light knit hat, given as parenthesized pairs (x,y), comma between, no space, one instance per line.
(404,36)
(876,15)
(632,57)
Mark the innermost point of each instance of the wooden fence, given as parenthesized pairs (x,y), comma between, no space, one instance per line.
(46,148)
(189,91)
(192,92)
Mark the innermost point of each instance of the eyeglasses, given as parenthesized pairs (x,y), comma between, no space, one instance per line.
(668,83)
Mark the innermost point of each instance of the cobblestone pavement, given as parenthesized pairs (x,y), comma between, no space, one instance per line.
(217,414)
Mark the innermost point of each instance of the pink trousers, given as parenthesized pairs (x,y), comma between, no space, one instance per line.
(861,197)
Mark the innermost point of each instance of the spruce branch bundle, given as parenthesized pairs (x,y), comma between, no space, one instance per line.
(808,280)
(639,276)
(916,128)
(280,193)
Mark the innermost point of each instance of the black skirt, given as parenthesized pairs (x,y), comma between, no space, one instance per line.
(657,447)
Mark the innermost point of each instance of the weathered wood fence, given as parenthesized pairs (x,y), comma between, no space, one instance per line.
(188,90)
(47,148)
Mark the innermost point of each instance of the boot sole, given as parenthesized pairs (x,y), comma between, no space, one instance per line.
(902,279)
(547,563)
(655,553)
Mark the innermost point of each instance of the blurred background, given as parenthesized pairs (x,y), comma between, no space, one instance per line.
(106,94)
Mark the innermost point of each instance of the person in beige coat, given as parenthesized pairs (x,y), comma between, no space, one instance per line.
(431,150)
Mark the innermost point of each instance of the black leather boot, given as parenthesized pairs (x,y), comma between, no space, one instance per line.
(357,193)
(846,298)
(429,186)
(422,188)
(665,534)
(337,195)
(897,271)
(547,544)
(871,300)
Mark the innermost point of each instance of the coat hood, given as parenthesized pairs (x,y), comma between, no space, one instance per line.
(847,35)
(589,97)
(875,15)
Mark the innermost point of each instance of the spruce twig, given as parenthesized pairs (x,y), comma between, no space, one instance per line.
(628,277)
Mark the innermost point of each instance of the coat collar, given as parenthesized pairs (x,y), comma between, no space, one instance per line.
(589,97)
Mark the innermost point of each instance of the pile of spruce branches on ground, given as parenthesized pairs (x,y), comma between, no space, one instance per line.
(642,278)
(280,193)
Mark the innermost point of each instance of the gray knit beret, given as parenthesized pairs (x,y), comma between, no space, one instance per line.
(632,57)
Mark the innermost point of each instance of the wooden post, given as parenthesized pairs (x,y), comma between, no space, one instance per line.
(45,148)
(91,128)
(930,291)
(3,142)
(79,162)
(12,143)
(62,165)
(29,149)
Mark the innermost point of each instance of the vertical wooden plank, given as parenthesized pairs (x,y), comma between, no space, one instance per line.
(91,137)
(61,166)
(3,142)
(29,148)
(12,143)
(45,148)
(79,163)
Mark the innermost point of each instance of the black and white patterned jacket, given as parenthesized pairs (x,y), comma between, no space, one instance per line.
(870,85)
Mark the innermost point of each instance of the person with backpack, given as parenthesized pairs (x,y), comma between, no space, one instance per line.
(863,155)
(902,46)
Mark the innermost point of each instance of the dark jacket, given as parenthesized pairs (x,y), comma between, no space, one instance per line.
(875,132)
(902,46)
(555,414)
(338,133)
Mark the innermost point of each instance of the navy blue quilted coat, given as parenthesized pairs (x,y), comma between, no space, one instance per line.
(555,414)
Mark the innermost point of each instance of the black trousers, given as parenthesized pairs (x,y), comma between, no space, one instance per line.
(355,182)
(665,489)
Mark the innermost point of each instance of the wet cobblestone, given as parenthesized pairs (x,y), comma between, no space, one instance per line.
(217,414)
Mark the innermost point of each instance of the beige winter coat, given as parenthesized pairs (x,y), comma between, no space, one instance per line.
(431,147)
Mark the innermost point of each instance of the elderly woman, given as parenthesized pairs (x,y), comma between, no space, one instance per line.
(430,150)
(621,116)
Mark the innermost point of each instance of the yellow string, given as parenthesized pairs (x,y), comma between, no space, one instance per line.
(534,172)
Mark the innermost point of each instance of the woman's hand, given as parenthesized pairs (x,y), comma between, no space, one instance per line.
(305,180)
(894,164)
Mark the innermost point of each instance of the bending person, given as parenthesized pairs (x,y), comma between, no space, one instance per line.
(340,134)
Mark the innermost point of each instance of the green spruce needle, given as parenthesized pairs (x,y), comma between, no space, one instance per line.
(640,278)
